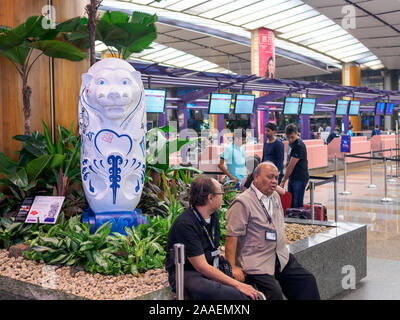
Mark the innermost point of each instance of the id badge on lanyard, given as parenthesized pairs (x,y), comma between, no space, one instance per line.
(270,234)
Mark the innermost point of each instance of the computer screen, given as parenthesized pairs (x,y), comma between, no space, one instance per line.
(341,107)
(244,103)
(220,103)
(389,108)
(155,100)
(380,108)
(291,105)
(354,109)
(307,106)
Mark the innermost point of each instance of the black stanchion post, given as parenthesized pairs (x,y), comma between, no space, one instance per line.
(179,265)
(371,185)
(345,192)
(335,194)
(391,180)
(312,188)
(385,199)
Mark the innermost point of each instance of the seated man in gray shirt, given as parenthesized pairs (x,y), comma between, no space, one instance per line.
(256,243)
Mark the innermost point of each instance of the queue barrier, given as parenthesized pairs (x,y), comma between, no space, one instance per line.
(324,180)
(179,250)
(371,158)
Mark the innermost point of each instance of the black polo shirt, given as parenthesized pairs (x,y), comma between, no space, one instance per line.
(299,151)
(187,229)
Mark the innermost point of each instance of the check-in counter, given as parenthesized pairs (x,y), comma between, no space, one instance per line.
(209,158)
(357,145)
(317,153)
(380,142)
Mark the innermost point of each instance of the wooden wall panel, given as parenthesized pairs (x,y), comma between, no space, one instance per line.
(67,77)
(12,13)
(68,74)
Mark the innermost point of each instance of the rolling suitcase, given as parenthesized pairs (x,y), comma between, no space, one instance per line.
(320,211)
(298,213)
(286,201)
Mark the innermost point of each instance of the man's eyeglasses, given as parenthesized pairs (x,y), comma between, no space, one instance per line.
(219,193)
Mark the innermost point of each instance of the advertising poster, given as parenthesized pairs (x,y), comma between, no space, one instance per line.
(45,208)
(266,63)
(345,144)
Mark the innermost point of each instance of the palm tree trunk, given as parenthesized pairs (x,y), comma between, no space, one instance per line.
(26,100)
(91,10)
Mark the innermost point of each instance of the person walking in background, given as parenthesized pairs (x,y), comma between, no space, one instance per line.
(273,149)
(233,160)
(297,168)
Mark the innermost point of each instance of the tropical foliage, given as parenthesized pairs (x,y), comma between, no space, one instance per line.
(47,168)
(24,44)
(119,31)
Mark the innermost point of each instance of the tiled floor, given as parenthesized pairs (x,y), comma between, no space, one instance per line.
(383,220)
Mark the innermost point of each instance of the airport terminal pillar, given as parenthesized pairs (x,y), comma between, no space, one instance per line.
(351,76)
(220,127)
(333,121)
(377,121)
(162,118)
(182,116)
(391,82)
(305,126)
(262,65)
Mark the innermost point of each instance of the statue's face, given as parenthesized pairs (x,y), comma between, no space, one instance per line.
(115,91)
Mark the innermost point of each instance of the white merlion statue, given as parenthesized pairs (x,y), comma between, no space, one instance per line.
(112,125)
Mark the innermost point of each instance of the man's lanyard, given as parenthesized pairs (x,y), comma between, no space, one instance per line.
(263,206)
(205,229)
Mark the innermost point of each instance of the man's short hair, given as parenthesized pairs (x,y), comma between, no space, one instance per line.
(200,188)
(270,126)
(291,128)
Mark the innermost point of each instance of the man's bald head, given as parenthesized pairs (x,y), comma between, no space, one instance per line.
(263,166)
(266,177)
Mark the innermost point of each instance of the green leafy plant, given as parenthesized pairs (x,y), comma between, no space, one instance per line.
(19,45)
(14,232)
(44,168)
(126,33)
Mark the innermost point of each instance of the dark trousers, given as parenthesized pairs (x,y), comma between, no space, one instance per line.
(198,287)
(297,188)
(295,282)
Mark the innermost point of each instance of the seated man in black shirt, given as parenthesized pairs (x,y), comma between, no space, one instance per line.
(198,229)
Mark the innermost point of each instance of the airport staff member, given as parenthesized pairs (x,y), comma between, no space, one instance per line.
(297,169)
(333,135)
(256,243)
(198,229)
(233,160)
(274,149)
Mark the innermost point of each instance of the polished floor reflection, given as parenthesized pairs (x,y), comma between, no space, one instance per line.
(364,205)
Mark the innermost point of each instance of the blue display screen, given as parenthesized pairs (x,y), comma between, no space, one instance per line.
(380,108)
(244,103)
(389,108)
(341,107)
(220,103)
(155,100)
(291,105)
(307,106)
(354,109)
